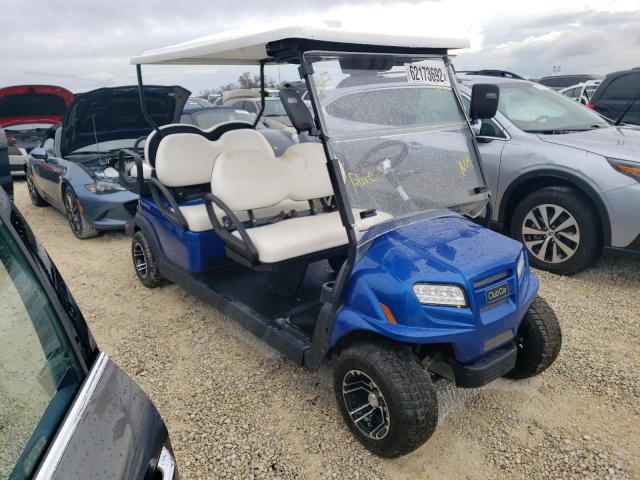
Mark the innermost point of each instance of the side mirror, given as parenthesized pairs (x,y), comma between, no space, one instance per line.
(484,101)
(39,154)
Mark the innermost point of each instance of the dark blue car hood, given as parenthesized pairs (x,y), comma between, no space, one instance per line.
(114,113)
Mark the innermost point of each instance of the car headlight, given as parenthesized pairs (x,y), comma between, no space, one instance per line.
(448,295)
(520,266)
(626,167)
(104,187)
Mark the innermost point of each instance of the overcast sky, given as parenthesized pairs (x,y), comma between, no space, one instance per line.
(85,44)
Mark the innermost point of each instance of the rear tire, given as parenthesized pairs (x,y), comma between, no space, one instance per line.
(144,262)
(78,222)
(34,195)
(538,341)
(569,230)
(386,397)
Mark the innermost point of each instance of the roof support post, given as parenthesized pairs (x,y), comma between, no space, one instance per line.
(143,103)
(262,101)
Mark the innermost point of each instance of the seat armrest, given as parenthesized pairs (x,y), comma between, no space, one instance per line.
(174,214)
(244,245)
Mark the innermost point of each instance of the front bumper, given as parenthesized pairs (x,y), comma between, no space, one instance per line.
(484,370)
(108,211)
(624,215)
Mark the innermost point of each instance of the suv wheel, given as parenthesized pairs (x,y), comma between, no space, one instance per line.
(559,228)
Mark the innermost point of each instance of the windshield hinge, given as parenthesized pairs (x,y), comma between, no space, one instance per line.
(305,69)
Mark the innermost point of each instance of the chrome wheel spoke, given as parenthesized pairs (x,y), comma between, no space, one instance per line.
(365,404)
(568,223)
(542,211)
(531,231)
(547,241)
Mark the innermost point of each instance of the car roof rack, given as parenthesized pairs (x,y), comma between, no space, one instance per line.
(492,73)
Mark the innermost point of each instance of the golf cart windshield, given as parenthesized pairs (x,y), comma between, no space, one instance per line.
(403,142)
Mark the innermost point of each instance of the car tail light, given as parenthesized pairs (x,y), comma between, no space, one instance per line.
(590,105)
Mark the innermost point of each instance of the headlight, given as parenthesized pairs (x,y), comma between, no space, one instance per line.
(448,295)
(520,266)
(625,167)
(104,187)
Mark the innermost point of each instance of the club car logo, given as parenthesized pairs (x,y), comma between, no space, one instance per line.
(497,293)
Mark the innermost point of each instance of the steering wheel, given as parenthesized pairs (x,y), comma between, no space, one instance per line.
(385,165)
(136,144)
(375,157)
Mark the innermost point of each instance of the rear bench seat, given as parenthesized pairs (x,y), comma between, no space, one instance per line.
(244,180)
(183,159)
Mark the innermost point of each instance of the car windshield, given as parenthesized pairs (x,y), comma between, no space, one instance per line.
(536,109)
(39,371)
(273,108)
(399,132)
(210,117)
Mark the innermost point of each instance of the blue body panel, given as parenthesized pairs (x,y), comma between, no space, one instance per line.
(449,250)
(192,251)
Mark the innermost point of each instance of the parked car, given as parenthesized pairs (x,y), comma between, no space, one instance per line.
(26,113)
(618,97)
(581,92)
(196,102)
(273,109)
(66,410)
(558,82)
(565,182)
(206,118)
(6,182)
(380,265)
(77,168)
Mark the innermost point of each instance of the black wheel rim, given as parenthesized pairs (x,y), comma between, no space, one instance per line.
(32,189)
(365,405)
(139,260)
(73,212)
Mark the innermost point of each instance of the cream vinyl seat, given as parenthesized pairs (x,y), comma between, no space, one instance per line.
(186,160)
(248,179)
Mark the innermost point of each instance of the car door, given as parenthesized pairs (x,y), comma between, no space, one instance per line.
(41,370)
(617,97)
(50,170)
(66,411)
(6,181)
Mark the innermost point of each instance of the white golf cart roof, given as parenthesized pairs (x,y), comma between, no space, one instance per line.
(248,46)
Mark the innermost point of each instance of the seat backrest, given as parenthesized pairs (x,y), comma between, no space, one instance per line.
(249,179)
(187,159)
(296,109)
(154,139)
(307,173)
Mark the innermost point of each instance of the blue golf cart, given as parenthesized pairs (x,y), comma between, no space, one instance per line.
(357,243)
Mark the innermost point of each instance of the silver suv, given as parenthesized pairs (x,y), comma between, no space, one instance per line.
(564,181)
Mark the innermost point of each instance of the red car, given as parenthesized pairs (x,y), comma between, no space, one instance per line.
(26,113)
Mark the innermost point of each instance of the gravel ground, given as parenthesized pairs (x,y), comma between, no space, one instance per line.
(237,410)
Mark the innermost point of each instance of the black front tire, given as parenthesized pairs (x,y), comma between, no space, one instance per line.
(405,389)
(144,261)
(578,207)
(538,341)
(34,195)
(80,225)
